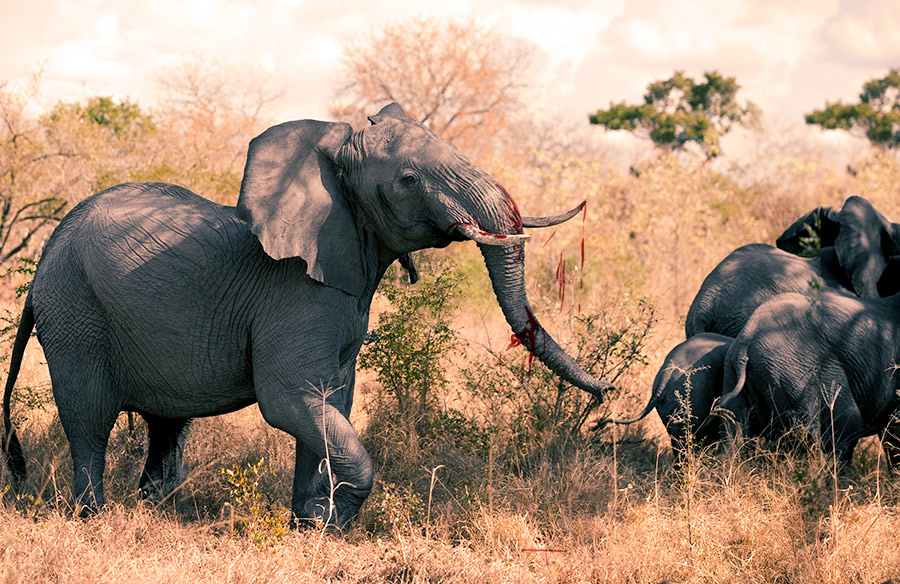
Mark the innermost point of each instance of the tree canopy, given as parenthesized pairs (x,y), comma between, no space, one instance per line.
(876,116)
(123,118)
(680,111)
(462,79)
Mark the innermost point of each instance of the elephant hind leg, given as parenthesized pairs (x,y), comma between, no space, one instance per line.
(87,426)
(88,408)
(841,429)
(164,470)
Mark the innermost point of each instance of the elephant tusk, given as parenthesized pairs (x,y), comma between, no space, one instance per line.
(487,238)
(553,219)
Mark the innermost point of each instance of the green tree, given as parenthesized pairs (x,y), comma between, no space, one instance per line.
(123,118)
(876,116)
(679,111)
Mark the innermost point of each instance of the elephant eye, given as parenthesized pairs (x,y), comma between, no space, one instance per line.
(409,180)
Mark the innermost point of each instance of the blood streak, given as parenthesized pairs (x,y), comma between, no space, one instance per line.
(529,333)
(549,238)
(511,211)
(561,278)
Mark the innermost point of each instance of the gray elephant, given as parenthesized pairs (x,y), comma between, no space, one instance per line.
(691,375)
(826,358)
(859,248)
(151,299)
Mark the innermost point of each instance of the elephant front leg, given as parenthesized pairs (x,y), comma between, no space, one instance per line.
(327,441)
(164,470)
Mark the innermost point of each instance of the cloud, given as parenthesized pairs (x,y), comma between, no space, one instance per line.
(762,43)
(788,56)
(863,33)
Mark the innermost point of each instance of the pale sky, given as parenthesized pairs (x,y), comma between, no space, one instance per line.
(790,56)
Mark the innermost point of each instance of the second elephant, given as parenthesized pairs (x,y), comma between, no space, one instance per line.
(858,254)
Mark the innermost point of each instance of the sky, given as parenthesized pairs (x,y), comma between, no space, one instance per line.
(789,56)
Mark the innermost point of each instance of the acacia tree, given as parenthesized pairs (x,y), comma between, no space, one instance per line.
(462,79)
(876,116)
(680,111)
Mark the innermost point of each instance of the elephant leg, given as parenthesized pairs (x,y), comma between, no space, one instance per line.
(87,414)
(324,434)
(311,481)
(890,442)
(164,470)
(841,430)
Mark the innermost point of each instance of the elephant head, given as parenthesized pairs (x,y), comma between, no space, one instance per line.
(351,202)
(865,242)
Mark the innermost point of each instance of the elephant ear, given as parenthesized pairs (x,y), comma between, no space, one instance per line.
(292,198)
(822,220)
(391,110)
(864,245)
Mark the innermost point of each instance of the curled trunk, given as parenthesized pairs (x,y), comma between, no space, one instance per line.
(506,267)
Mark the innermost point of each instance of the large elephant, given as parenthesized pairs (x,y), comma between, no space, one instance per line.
(149,298)
(859,247)
(690,378)
(826,358)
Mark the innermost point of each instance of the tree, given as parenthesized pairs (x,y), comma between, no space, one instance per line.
(203,88)
(876,116)
(462,79)
(679,111)
(208,112)
(124,118)
(33,184)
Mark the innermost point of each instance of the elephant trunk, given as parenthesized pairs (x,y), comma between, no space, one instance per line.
(506,268)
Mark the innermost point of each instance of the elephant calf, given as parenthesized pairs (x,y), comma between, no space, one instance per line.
(826,359)
(690,377)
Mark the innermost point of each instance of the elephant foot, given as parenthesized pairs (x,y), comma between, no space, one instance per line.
(322,512)
(157,490)
(152,491)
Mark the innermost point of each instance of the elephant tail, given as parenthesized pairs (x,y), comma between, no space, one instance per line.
(15,457)
(662,379)
(730,405)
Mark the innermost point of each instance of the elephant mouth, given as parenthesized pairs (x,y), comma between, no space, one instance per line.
(467,231)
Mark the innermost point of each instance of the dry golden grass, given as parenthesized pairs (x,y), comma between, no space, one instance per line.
(749,519)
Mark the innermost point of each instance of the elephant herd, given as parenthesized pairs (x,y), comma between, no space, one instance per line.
(151,299)
(774,339)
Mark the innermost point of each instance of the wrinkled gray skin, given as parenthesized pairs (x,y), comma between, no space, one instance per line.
(151,299)
(825,358)
(691,374)
(858,251)
(748,277)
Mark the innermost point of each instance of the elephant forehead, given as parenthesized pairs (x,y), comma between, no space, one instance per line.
(403,138)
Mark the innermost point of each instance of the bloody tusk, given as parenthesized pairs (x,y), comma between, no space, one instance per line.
(477,235)
(553,219)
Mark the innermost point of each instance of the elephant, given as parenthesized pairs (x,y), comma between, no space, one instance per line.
(151,299)
(826,357)
(858,253)
(691,375)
